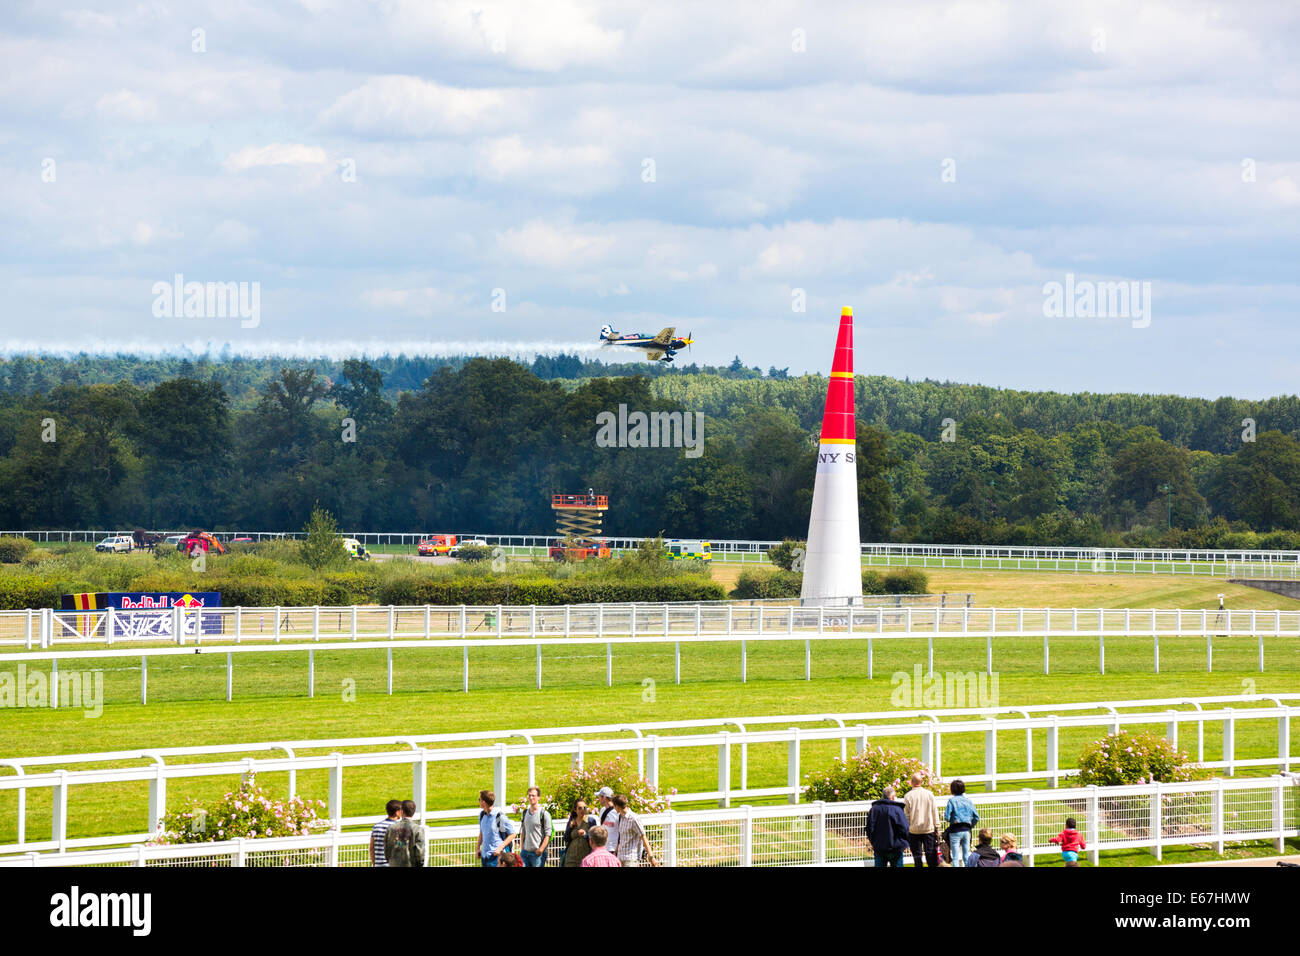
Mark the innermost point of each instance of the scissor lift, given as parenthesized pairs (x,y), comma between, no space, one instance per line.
(578,520)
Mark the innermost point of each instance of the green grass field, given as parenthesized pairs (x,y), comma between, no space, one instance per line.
(187,705)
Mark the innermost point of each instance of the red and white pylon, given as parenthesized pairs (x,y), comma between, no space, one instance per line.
(832,572)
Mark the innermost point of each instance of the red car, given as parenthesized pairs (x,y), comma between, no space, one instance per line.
(425,547)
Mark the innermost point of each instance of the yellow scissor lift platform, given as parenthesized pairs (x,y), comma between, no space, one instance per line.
(578,520)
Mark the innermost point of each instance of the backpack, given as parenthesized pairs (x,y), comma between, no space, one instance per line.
(399,844)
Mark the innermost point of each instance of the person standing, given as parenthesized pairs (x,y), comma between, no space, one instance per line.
(495,831)
(633,847)
(405,842)
(922,822)
(393,808)
(959,813)
(598,856)
(576,842)
(887,829)
(535,823)
(608,818)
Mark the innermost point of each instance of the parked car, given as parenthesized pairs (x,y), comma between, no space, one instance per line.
(115,544)
(173,540)
(425,547)
(471,542)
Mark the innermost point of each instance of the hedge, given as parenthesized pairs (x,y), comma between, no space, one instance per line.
(348,587)
(494,590)
(753,585)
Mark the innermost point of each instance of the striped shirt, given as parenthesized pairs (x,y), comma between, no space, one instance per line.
(377,834)
(629,840)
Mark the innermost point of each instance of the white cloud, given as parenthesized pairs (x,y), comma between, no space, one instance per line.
(126,107)
(276,154)
(540,243)
(407,106)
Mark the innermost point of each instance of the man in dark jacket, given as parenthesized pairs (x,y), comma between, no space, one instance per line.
(887,829)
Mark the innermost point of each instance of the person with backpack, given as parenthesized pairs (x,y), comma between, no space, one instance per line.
(495,831)
(984,854)
(377,833)
(404,841)
(887,829)
(536,824)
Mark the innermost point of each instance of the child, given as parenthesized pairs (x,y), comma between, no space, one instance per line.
(1071,843)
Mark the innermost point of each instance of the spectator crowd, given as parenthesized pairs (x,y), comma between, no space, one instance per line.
(613,835)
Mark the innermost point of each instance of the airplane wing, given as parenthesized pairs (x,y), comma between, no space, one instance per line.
(654,356)
(665,337)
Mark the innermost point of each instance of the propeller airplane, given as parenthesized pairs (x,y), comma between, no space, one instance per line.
(661,347)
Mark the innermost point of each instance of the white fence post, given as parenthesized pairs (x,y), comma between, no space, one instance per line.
(335,797)
(1027,840)
(157,797)
(1230,743)
(1094,825)
(1216,796)
(652,761)
(499,774)
(59,811)
(819,834)
(1157,832)
(724,770)
(747,836)
(792,766)
(1279,820)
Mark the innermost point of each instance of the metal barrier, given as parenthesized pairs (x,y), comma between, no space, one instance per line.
(651,751)
(1154,817)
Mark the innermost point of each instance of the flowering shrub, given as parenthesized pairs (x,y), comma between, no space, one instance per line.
(247,812)
(618,774)
(1133,758)
(866,774)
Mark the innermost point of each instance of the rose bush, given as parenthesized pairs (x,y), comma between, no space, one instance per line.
(1122,758)
(865,775)
(247,812)
(619,774)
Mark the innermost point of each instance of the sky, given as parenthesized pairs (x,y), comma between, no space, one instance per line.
(432,177)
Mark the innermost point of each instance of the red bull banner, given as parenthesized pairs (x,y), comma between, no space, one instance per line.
(144,613)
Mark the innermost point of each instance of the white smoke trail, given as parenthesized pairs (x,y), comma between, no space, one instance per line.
(301,348)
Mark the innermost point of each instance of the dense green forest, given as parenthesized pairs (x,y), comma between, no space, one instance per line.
(477,444)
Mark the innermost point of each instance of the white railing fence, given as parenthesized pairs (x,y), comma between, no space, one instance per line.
(651,751)
(1152,817)
(1047,558)
(244,631)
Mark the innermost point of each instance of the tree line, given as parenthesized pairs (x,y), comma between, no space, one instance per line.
(482,444)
